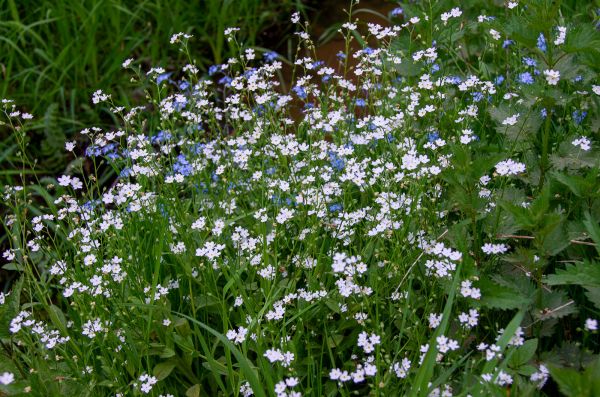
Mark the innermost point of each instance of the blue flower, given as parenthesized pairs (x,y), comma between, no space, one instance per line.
(477,96)
(507,43)
(93,151)
(162,77)
(499,80)
(433,136)
(182,166)
(360,102)
(90,205)
(336,162)
(397,11)
(578,116)
(125,172)
(335,207)
(340,55)
(214,69)
(543,113)
(541,43)
(529,61)
(270,56)
(299,91)
(184,85)
(161,136)
(525,78)
(435,68)
(316,65)
(226,81)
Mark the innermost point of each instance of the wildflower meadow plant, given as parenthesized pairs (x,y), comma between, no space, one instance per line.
(402,222)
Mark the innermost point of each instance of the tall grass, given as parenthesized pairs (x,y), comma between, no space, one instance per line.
(54,54)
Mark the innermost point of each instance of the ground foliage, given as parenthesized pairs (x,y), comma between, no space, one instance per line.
(419,219)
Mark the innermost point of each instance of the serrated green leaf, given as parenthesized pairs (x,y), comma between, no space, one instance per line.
(501,297)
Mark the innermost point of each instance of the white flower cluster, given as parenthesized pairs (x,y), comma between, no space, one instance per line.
(147,382)
(583,143)
(509,167)
(489,248)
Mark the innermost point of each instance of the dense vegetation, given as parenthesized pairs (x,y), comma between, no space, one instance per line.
(55,54)
(420,218)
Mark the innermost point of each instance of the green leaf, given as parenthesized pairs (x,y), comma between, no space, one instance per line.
(193,391)
(523,354)
(593,229)
(164,369)
(10,309)
(502,297)
(573,383)
(568,381)
(245,364)
(58,318)
(425,372)
(585,274)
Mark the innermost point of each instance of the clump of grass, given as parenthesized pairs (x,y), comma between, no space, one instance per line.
(406,224)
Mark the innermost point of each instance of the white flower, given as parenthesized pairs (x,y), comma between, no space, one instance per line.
(99,96)
(76,183)
(503,379)
(494,248)
(127,62)
(275,355)
(435,320)
(540,377)
(64,180)
(445,344)
(467,290)
(591,324)
(512,120)
(469,320)
(512,4)
(562,33)
(199,223)
(596,89)
(284,215)
(7,378)
(210,250)
(238,301)
(147,383)
(495,34)
(583,143)
(552,76)
(368,342)
(295,17)
(89,260)
(509,167)
(401,369)
(69,146)
(237,336)
(177,36)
